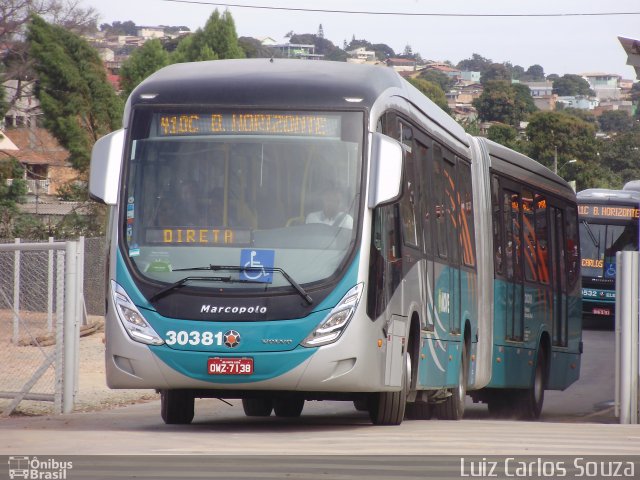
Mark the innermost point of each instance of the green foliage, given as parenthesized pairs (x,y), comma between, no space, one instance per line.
(493,72)
(432,91)
(572,85)
(472,127)
(217,40)
(477,63)
(73,191)
(635,92)
(119,28)
(382,50)
(75,225)
(31,227)
(78,103)
(573,138)
(503,134)
(504,102)
(621,153)
(143,62)
(322,46)
(535,72)
(254,49)
(616,121)
(10,195)
(439,78)
(4,106)
(582,114)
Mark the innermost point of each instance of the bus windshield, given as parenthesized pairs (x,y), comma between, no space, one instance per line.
(599,244)
(262,190)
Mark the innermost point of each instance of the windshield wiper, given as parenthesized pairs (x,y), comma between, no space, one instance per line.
(591,235)
(163,291)
(233,268)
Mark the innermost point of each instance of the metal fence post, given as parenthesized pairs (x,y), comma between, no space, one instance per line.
(627,306)
(16,294)
(50,289)
(59,331)
(70,344)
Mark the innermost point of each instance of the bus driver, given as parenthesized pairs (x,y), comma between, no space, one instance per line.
(331,214)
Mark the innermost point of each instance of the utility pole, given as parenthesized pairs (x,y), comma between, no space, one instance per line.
(555,159)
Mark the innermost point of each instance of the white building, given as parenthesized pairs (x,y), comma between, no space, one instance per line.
(606,85)
(361,55)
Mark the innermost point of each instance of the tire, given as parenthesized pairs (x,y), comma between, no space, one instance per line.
(288,407)
(453,407)
(528,402)
(257,407)
(176,407)
(387,408)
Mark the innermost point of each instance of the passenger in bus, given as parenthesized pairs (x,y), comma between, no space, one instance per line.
(181,206)
(331,213)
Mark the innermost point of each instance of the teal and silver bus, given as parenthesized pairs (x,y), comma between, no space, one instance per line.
(284,231)
(608,224)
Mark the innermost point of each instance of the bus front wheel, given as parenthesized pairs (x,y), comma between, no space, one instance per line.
(176,406)
(529,401)
(387,408)
(257,407)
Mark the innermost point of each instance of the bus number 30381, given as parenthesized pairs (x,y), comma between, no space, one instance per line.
(193,338)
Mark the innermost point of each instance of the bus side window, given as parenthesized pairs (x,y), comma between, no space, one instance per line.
(450,193)
(438,202)
(465,200)
(424,172)
(408,203)
(542,235)
(529,234)
(573,253)
(498,251)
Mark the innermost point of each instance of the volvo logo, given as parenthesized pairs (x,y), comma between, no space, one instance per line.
(231,339)
(277,341)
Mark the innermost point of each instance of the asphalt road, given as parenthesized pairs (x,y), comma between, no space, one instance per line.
(572,424)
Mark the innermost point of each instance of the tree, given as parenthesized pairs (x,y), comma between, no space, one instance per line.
(439,78)
(10,195)
(621,154)
(503,134)
(616,121)
(572,85)
(217,40)
(515,72)
(320,31)
(143,62)
(582,114)
(569,136)
(14,18)
(477,63)
(535,72)
(119,28)
(504,102)
(432,91)
(78,103)
(495,71)
(254,49)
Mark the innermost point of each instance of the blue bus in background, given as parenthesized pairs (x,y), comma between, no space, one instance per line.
(283,231)
(608,224)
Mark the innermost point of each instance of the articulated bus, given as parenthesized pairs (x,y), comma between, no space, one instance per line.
(284,231)
(608,224)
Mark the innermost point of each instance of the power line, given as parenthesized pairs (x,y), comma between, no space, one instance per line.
(408,14)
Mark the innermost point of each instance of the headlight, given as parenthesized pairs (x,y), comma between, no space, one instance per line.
(335,323)
(131,318)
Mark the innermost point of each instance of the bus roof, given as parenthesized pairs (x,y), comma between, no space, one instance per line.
(282,83)
(605,196)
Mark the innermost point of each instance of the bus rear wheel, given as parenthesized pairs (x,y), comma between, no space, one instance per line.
(176,406)
(453,407)
(288,407)
(257,407)
(528,402)
(387,408)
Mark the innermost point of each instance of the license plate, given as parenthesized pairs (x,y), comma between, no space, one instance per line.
(601,311)
(230,366)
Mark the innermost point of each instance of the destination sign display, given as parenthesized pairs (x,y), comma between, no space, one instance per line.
(248,123)
(198,236)
(608,211)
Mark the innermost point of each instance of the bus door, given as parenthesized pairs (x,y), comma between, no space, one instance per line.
(514,305)
(454,232)
(559,278)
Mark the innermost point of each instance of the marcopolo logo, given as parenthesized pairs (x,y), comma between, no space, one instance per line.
(38,469)
(234,310)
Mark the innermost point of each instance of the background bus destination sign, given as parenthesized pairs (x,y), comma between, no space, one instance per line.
(249,123)
(607,211)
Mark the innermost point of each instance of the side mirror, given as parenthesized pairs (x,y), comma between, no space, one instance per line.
(385,181)
(106,160)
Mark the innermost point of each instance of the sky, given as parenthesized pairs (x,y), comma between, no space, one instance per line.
(565,44)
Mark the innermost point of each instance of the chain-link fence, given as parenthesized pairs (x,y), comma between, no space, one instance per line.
(40,315)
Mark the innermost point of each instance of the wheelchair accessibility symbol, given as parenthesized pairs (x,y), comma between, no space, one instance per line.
(257,264)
